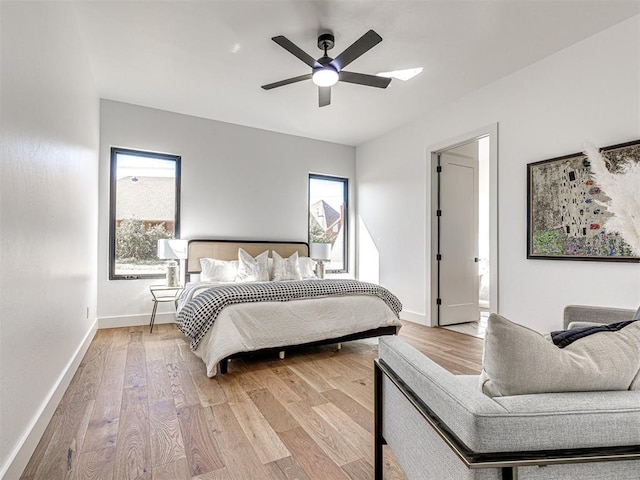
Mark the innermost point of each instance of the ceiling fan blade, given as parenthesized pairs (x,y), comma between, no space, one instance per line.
(364,79)
(357,48)
(324,96)
(287,81)
(293,49)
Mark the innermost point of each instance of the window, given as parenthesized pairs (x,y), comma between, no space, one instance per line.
(145,207)
(328,212)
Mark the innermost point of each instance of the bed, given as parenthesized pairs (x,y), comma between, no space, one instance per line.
(231,320)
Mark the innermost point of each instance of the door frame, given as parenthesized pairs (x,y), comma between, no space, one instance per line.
(432,202)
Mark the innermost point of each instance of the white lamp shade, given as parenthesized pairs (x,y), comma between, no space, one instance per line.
(320,251)
(172,249)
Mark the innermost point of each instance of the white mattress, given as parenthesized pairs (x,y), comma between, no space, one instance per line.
(253,326)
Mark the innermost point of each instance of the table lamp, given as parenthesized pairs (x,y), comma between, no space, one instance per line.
(172,249)
(320,252)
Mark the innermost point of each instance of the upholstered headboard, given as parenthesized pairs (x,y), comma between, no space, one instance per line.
(228,250)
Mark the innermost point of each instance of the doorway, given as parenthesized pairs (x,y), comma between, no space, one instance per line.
(464,232)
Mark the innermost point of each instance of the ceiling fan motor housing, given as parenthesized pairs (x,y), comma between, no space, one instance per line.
(326,41)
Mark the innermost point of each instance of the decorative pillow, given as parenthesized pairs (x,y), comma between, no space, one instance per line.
(637,315)
(520,361)
(307,268)
(214,270)
(252,269)
(286,268)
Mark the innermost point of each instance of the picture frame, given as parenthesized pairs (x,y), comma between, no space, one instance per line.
(568,211)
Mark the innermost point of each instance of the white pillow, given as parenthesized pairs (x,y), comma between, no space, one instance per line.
(576,325)
(253,269)
(307,267)
(285,268)
(520,361)
(214,270)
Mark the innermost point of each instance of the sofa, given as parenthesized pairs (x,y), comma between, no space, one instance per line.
(441,426)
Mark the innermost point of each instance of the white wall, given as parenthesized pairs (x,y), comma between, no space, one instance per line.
(49,207)
(590,91)
(237,182)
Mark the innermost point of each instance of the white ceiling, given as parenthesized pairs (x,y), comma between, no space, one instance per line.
(209,58)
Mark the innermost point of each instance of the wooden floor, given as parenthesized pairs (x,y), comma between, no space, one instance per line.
(141,407)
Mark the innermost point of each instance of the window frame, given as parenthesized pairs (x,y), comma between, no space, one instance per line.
(113,184)
(345,222)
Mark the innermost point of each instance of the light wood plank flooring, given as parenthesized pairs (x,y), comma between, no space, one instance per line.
(141,407)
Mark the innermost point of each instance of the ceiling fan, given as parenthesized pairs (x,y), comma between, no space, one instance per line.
(326,71)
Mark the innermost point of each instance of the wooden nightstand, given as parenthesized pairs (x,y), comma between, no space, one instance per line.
(162,293)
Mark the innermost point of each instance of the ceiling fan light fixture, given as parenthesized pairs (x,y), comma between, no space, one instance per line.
(326,76)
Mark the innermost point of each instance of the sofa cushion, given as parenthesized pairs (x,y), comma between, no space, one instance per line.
(520,361)
(575,419)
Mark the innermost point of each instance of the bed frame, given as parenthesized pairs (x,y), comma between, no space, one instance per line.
(228,250)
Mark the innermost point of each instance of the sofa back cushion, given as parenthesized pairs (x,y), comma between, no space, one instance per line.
(520,361)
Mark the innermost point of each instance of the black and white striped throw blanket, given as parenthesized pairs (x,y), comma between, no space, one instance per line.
(197,316)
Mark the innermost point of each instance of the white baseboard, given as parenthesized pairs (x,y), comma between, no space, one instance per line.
(414,317)
(134,320)
(27,444)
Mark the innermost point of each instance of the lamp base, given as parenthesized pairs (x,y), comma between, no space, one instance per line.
(173,278)
(320,268)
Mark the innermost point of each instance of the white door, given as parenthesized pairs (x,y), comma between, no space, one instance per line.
(458,238)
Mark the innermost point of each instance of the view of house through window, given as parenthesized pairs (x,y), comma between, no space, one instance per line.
(145,195)
(328,218)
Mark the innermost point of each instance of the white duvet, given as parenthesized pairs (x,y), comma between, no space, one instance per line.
(253,326)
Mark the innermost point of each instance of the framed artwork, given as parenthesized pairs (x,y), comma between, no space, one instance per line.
(585,206)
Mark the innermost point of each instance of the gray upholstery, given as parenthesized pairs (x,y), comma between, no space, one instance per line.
(421,452)
(503,424)
(423,455)
(584,313)
(462,407)
(534,422)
